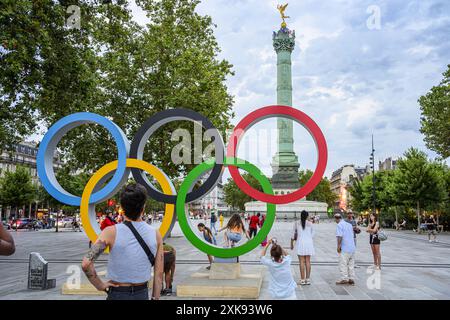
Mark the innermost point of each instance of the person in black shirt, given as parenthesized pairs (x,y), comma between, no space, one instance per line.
(431,226)
(169,268)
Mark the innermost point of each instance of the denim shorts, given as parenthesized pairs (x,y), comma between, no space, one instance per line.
(234,236)
(135,295)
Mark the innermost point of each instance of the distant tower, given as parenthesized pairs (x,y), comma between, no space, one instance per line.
(285,163)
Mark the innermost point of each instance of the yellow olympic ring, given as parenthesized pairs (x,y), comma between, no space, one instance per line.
(87,211)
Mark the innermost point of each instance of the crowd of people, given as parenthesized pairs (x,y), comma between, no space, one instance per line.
(430,226)
(282,284)
(136,248)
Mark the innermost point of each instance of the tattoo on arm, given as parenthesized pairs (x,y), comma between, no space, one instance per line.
(91,273)
(96,250)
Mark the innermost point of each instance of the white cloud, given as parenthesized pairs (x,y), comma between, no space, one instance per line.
(420,50)
(360,110)
(351,80)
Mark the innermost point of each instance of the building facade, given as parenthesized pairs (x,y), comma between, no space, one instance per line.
(24,154)
(340,181)
(387,164)
(213,201)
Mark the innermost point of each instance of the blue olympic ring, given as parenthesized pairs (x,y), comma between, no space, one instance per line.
(47,150)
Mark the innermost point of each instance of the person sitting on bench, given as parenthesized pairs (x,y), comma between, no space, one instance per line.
(401,225)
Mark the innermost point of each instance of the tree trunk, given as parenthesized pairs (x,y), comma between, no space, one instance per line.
(418,218)
(57,214)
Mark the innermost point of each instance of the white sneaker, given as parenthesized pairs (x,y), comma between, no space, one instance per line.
(307,282)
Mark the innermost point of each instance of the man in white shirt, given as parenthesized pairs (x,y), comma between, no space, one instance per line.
(346,249)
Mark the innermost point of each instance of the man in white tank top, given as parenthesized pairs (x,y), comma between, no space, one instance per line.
(129,267)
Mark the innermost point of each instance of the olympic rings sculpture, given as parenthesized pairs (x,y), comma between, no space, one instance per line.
(130,160)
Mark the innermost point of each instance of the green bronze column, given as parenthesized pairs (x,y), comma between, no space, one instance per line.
(285,163)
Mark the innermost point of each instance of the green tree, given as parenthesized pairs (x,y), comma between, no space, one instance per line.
(72,183)
(417,182)
(46,69)
(362,192)
(16,188)
(177,66)
(45,199)
(111,66)
(435,119)
(442,208)
(355,189)
(322,192)
(234,196)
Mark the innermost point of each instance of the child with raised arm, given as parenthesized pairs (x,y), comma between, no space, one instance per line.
(281,282)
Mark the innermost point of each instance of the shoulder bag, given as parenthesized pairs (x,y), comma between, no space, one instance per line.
(141,241)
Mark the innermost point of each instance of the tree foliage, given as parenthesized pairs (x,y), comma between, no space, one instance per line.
(111,66)
(234,196)
(435,119)
(322,192)
(72,183)
(362,192)
(417,183)
(357,201)
(16,188)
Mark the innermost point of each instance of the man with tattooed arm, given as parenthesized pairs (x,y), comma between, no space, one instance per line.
(134,247)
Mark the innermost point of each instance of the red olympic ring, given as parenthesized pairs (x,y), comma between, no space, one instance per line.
(296,115)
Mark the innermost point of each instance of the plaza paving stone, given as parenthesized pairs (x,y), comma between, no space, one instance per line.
(413,268)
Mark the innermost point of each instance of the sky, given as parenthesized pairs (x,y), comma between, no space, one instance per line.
(358,68)
(354,74)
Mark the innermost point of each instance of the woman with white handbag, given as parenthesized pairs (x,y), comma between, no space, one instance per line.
(373,229)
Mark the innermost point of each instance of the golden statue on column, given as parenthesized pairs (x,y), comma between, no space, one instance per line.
(282,8)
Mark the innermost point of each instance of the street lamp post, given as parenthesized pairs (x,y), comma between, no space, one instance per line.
(372,165)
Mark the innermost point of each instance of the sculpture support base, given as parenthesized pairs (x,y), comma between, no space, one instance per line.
(225,271)
(214,285)
(291,210)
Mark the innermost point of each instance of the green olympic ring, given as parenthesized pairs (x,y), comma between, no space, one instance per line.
(184,220)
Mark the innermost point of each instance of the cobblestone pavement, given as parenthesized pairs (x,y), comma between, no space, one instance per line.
(413,268)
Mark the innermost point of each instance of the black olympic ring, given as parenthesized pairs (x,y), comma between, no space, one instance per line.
(153,124)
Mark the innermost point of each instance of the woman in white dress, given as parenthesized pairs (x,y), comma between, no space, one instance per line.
(303,236)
